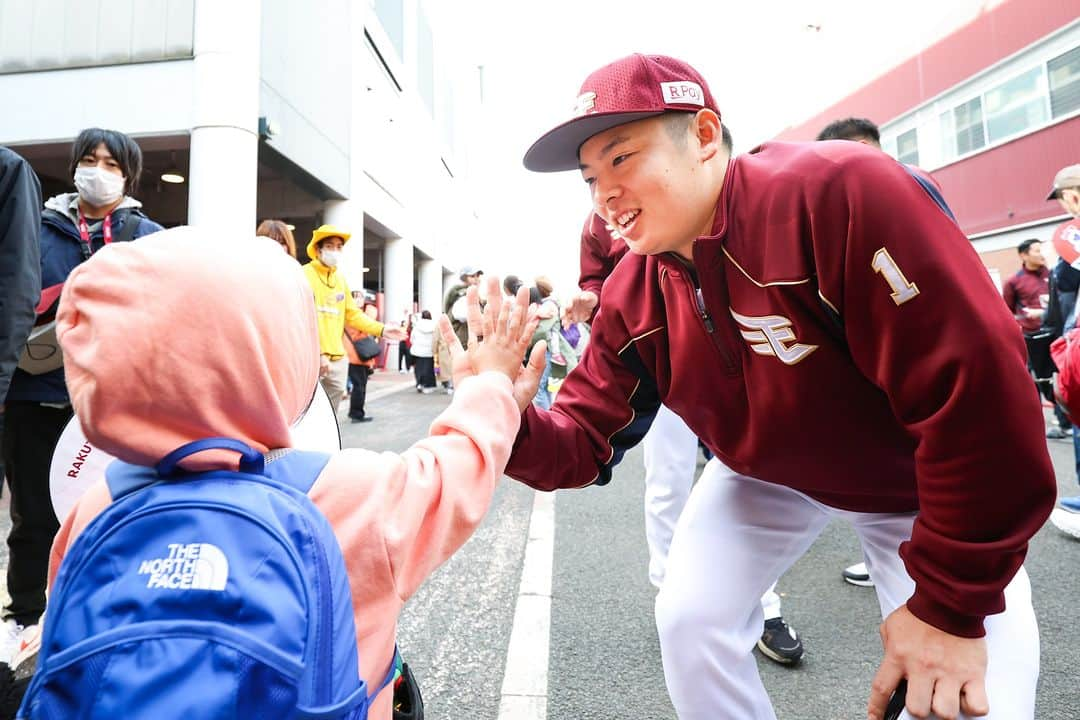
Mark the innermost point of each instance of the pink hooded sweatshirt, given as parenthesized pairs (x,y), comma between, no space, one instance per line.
(185,334)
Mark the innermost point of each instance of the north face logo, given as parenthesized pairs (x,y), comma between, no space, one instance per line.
(195,566)
(769,335)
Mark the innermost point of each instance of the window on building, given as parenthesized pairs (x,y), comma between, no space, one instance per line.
(392,18)
(947,131)
(907,147)
(969,126)
(425,62)
(1015,105)
(1064,73)
(888,145)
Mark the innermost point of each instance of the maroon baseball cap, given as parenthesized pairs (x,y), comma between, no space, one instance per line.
(633,88)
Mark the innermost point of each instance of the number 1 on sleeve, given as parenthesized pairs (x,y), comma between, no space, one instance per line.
(902,290)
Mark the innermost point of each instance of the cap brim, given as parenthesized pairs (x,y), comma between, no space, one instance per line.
(318,237)
(557,150)
(1053,194)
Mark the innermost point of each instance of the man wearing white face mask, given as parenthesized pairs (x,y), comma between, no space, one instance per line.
(105,168)
(335,308)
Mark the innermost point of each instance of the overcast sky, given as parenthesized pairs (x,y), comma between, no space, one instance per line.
(770,64)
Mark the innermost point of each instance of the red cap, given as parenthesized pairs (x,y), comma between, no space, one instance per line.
(633,88)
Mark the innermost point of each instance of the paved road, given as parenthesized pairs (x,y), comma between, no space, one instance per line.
(604,655)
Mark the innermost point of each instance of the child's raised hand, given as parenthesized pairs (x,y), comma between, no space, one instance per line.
(499,334)
(505,329)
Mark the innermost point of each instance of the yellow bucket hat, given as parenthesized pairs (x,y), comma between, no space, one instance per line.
(321,233)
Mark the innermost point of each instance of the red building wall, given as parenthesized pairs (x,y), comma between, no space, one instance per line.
(1000,187)
(1007,185)
(991,37)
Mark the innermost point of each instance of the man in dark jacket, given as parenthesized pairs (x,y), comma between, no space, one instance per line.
(105,167)
(20,259)
(20,264)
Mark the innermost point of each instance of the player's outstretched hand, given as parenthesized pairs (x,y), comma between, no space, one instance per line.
(946,674)
(528,380)
(499,334)
(581,306)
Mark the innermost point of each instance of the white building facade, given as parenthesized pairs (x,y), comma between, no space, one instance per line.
(326,111)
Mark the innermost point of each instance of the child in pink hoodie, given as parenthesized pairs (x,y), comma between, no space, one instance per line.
(187,335)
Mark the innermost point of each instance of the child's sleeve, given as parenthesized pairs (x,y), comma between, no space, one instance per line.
(398,517)
(93,501)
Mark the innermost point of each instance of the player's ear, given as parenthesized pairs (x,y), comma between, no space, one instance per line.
(706,130)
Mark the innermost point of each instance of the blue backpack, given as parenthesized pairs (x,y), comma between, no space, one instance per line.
(203,595)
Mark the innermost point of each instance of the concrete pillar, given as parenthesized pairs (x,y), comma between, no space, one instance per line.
(397,282)
(349,216)
(349,213)
(224,136)
(431,294)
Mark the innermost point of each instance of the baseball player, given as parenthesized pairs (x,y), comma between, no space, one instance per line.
(671,448)
(818,320)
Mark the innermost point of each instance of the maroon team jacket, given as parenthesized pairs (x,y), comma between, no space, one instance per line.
(836,334)
(599,254)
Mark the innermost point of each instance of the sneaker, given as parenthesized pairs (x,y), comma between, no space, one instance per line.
(427,390)
(366,418)
(15,680)
(9,640)
(1064,520)
(1056,434)
(857,574)
(25,657)
(780,643)
(1072,504)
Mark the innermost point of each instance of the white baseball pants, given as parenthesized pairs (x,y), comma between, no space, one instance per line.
(671,450)
(736,536)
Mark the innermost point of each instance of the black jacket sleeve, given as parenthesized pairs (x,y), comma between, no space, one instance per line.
(20,260)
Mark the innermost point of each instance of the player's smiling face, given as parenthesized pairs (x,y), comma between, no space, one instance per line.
(643,183)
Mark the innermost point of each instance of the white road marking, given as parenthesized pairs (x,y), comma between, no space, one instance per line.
(525,680)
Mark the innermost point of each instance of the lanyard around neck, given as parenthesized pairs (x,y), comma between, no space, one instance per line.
(84,231)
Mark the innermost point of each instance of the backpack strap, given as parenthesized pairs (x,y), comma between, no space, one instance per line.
(395,662)
(297,468)
(124,478)
(132,218)
(251,460)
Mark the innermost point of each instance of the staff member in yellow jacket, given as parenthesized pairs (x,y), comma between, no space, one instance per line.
(335,308)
